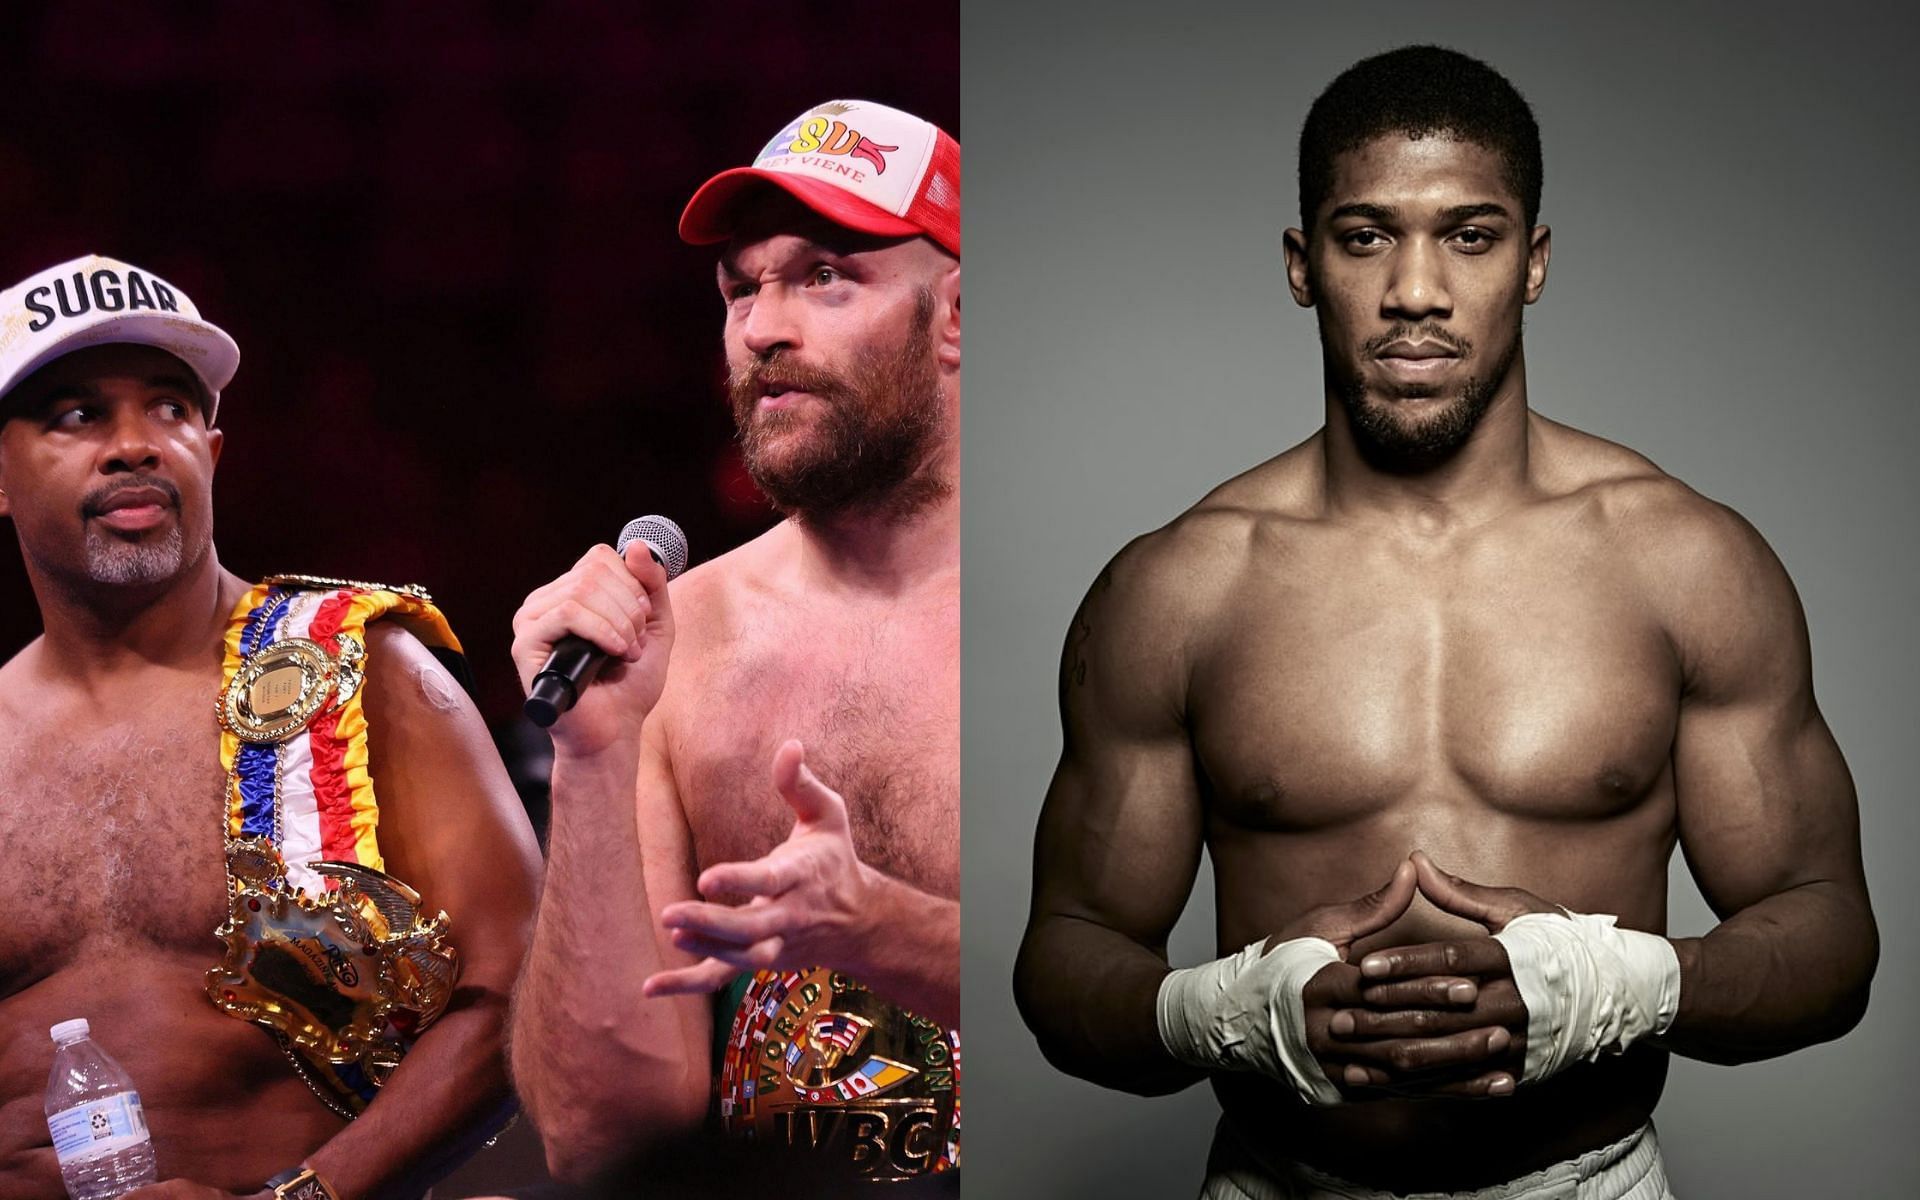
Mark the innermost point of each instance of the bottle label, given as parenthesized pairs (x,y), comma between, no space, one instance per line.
(104,1126)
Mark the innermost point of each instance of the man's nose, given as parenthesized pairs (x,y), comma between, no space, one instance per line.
(132,443)
(772,322)
(1418,286)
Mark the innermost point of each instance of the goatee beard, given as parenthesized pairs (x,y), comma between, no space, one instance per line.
(111,560)
(869,446)
(1385,433)
(116,560)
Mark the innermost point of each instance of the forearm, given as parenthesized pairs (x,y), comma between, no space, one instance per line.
(446,1096)
(599,1066)
(1089,993)
(1786,972)
(909,950)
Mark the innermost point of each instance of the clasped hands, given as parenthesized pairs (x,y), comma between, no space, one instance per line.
(1437,1019)
(810,900)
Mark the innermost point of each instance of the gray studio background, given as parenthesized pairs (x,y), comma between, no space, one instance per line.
(1732,193)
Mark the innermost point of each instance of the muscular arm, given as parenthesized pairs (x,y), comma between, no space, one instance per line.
(601,1067)
(1767,816)
(453,829)
(1118,844)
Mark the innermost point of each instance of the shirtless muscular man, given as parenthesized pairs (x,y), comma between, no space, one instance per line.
(785,799)
(1480,671)
(134,826)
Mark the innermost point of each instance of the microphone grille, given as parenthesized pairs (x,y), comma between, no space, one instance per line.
(663,535)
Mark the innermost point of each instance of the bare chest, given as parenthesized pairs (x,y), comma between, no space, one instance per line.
(878,710)
(110,834)
(1522,678)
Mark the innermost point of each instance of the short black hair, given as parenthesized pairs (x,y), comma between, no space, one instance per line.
(1420,90)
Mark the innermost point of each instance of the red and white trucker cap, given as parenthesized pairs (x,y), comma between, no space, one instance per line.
(858,164)
(94,300)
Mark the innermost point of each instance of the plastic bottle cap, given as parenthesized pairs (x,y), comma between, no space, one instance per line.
(71,1031)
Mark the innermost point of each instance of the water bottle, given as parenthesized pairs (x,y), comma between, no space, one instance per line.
(99,1131)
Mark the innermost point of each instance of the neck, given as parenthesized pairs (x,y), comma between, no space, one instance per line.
(96,629)
(1481,477)
(875,549)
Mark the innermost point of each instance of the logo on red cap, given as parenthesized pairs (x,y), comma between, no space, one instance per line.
(827,135)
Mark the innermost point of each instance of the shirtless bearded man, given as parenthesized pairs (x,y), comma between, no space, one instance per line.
(1443,626)
(113,805)
(786,797)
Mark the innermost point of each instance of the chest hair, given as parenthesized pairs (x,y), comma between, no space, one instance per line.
(880,728)
(109,833)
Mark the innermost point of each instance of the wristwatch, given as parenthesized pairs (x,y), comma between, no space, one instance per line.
(300,1183)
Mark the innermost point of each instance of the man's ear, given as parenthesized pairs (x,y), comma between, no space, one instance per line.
(1293,245)
(946,318)
(1539,250)
(216,438)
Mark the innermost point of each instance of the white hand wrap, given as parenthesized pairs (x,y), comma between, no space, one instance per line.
(1244,1013)
(1590,989)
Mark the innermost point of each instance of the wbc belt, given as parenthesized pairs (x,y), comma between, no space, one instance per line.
(816,1062)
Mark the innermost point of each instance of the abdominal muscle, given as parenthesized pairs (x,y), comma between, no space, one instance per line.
(1266,880)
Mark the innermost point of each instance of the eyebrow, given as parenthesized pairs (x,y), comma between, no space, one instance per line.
(1467,212)
(1387,212)
(1369,212)
(64,392)
(853,245)
(82,390)
(174,383)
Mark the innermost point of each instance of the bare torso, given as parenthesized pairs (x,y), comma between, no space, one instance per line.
(869,683)
(1500,696)
(110,819)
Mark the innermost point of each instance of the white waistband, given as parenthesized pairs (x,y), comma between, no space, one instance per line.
(1629,1169)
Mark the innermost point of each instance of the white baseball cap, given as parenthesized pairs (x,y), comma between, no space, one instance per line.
(95,300)
(858,164)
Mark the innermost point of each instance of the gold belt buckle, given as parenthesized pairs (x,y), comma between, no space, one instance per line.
(334,976)
(818,1063)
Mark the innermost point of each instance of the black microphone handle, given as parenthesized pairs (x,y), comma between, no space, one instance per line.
(570,668)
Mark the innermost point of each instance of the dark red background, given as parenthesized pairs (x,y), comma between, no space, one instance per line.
(443,236)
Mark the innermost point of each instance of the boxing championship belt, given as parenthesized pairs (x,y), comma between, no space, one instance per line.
(323,948)
(816,1062)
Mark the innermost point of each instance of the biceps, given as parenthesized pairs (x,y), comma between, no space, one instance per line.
(667,865)
(1120,838)
(1765,802)
(451,825)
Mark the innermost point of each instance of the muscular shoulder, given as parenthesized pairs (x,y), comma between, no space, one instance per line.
(409,692)
(417,709)
(1692,555)
(1187,568)
(1663,525)
(1157,603)
(1707,576)
(1721,593)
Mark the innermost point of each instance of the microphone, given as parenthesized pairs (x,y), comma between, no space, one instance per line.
(575,660)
